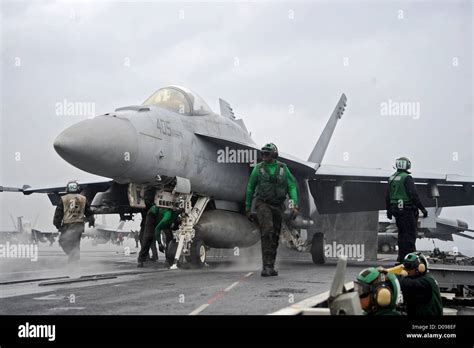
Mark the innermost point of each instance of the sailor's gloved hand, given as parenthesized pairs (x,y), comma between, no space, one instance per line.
(389,215)
(425,213)
(161,247)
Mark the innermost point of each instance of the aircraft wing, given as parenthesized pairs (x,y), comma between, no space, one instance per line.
(43,233)
(107,229)
(464,235)
(297,166)
(364,189)
(44,237)
(89,189)
(454,224)
(456,227)
(27,190)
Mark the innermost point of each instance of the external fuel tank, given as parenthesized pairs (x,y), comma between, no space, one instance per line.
(226,229)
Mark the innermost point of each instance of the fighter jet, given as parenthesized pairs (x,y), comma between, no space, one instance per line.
(172,150)
(101,233)
(441,228)
(24,233)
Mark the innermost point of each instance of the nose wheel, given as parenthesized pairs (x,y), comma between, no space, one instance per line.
(198,253)
(189,246)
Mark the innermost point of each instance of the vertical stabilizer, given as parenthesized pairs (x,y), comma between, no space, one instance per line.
(321,146)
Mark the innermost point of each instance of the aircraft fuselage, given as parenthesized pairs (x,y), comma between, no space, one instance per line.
(135,144)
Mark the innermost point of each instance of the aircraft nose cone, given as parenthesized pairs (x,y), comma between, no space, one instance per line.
(104,145)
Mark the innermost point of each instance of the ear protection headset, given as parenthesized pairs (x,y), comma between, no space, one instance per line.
(416,261)
(275,152)
(380,286)
(383,294)
(421,268)
(272,148)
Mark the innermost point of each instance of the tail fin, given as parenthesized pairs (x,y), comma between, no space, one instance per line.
(36,220)
(226,109)
(20,223)
(321,146)
(13,222)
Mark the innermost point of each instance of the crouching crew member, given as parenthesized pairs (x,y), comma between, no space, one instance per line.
(157,219)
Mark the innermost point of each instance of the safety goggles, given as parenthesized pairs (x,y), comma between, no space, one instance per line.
(362,289)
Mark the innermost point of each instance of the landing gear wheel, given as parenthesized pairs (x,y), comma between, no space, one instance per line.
(385,248)
(170,251)
(198,253)
(317,249)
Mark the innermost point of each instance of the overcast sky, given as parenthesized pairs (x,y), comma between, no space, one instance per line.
(266,58)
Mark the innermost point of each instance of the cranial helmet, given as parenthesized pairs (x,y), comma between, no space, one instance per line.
(270,148)
(382,287)
(72,187)
(403,163)
(416,261)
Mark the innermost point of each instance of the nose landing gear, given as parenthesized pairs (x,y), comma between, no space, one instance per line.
(193,249)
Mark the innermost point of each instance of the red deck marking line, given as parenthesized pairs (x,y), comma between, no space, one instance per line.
(220,294)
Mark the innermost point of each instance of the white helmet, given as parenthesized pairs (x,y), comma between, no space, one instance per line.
(72,187)
(403,163)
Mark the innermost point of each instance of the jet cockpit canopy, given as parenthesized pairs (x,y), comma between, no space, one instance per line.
(180,100)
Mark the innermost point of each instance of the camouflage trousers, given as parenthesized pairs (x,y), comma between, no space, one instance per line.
(70,240)
(269,219)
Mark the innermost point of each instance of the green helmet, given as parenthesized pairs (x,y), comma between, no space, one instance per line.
(368,275)
(383,288)
(416,261)
(403,163)
(270,148)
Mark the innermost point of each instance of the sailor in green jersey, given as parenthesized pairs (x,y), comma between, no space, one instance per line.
(402,202)
(378,291)
(271,181)
(420,290)
(157,219)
